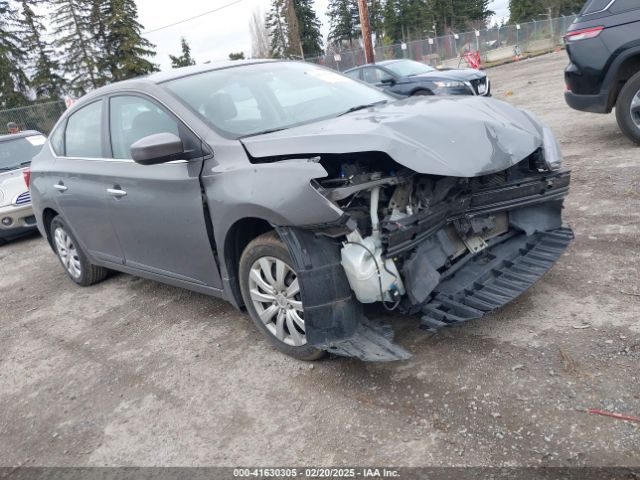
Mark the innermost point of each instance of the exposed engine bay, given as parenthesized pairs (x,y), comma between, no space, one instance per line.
(446,248)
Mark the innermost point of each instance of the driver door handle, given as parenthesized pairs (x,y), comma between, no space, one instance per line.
(116,192)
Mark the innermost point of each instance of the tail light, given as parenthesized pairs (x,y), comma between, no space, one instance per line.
(583,34)
(26,174)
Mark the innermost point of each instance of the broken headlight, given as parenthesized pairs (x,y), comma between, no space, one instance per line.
(551,147)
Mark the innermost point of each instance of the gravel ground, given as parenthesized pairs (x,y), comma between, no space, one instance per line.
(132,372)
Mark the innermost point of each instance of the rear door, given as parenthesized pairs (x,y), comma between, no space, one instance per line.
(77,177)
(157,210)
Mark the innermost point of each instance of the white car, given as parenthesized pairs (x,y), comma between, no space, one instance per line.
(16,152)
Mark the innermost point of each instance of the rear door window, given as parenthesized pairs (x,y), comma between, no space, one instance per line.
(355,74)
(83,137)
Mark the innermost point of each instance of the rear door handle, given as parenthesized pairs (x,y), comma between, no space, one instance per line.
(116,192)
(61,187)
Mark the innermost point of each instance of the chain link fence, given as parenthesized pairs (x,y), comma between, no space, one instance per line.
(495,45)
(39,116)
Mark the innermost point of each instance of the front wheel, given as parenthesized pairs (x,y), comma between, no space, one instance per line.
(271,293)
(71,256)
(628,108)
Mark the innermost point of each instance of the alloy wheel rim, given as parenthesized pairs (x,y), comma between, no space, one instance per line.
(275,294)
(635,109)
(67,252)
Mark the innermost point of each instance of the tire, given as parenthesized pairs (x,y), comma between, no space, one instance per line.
(72,257)
(629,98)
(260,263)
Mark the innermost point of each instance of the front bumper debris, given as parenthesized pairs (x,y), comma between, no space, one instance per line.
(493,278)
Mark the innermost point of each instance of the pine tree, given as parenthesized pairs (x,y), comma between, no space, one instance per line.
(184,60)
(522,11)
(308,27)
(460,15)
(13,80)
(127,51)
(45,80)
(344,21)
(277,26)
(79,52)
(99,15)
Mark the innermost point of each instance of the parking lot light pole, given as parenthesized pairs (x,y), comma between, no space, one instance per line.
(366,31)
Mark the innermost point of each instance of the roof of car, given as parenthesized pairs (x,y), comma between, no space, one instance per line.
(16,136)
(166,75)
(174,73)
(382,63)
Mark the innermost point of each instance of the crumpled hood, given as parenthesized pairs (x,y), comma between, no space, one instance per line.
(449,136)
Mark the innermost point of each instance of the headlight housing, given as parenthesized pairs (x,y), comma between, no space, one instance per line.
(552,153)
(449,84)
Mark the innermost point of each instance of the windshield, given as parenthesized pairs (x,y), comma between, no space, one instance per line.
(17,153)
(253,99)
(408,68)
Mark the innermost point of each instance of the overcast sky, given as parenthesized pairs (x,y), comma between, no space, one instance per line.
(214,36)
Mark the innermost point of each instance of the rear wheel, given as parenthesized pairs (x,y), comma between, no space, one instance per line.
(628,108)
(71,256)
(271,293)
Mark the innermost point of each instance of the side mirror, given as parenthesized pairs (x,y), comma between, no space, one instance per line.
(157,148)
(388,81)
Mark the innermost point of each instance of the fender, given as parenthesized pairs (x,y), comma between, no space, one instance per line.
(630,49)
(333,318)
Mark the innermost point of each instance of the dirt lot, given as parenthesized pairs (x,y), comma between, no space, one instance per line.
(131,372)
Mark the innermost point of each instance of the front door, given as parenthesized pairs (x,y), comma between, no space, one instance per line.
(157,210)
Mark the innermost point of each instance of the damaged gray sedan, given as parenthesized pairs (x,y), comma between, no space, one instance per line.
(302,195)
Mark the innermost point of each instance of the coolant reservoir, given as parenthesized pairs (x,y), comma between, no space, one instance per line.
(362,270)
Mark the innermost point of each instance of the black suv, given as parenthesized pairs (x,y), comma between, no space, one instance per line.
(604,48)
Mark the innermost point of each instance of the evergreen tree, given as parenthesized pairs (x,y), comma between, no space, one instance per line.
(460,15)
(344,21)
(236,56)
(184,60)
(308,28)
(277,26)
(522,11)
(127,51)
(294,29)
(416,19)
(13,81)
(45,80)
(99,16)
(79,52)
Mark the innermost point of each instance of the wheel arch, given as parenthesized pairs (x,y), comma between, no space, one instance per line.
(238,236)
(48,214)
(625,67)
(421,89)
